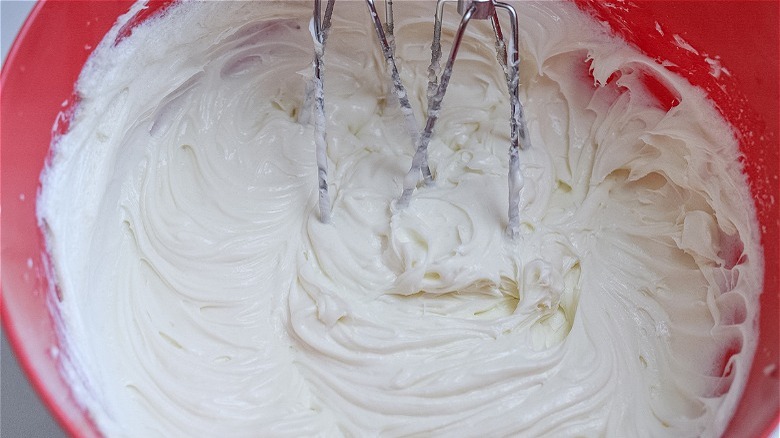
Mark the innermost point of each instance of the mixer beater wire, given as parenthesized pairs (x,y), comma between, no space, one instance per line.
(508,58)
(320,32)
(320,29)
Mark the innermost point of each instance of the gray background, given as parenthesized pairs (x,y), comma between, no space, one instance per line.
(21,411)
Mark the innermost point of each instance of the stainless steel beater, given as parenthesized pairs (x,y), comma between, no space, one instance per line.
(508,58)
(321,27)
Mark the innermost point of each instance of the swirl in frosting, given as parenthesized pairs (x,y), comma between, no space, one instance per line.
(201,296)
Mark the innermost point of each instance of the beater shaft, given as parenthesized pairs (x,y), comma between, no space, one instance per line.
(389,23)
(321,30)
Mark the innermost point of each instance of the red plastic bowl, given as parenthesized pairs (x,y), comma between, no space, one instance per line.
(44,62)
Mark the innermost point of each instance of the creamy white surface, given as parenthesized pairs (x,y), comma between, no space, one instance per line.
(202,297)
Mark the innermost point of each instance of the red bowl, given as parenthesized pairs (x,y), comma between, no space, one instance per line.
(47,56)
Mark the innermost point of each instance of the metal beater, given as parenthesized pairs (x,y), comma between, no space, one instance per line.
(508,58)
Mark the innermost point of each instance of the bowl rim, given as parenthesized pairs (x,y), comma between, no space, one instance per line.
(71,417)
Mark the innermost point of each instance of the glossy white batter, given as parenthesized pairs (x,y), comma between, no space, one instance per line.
(201,296)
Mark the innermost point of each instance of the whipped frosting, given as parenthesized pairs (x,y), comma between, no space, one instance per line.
(201,295)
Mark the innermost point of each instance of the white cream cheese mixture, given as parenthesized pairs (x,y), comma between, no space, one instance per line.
(201,295)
